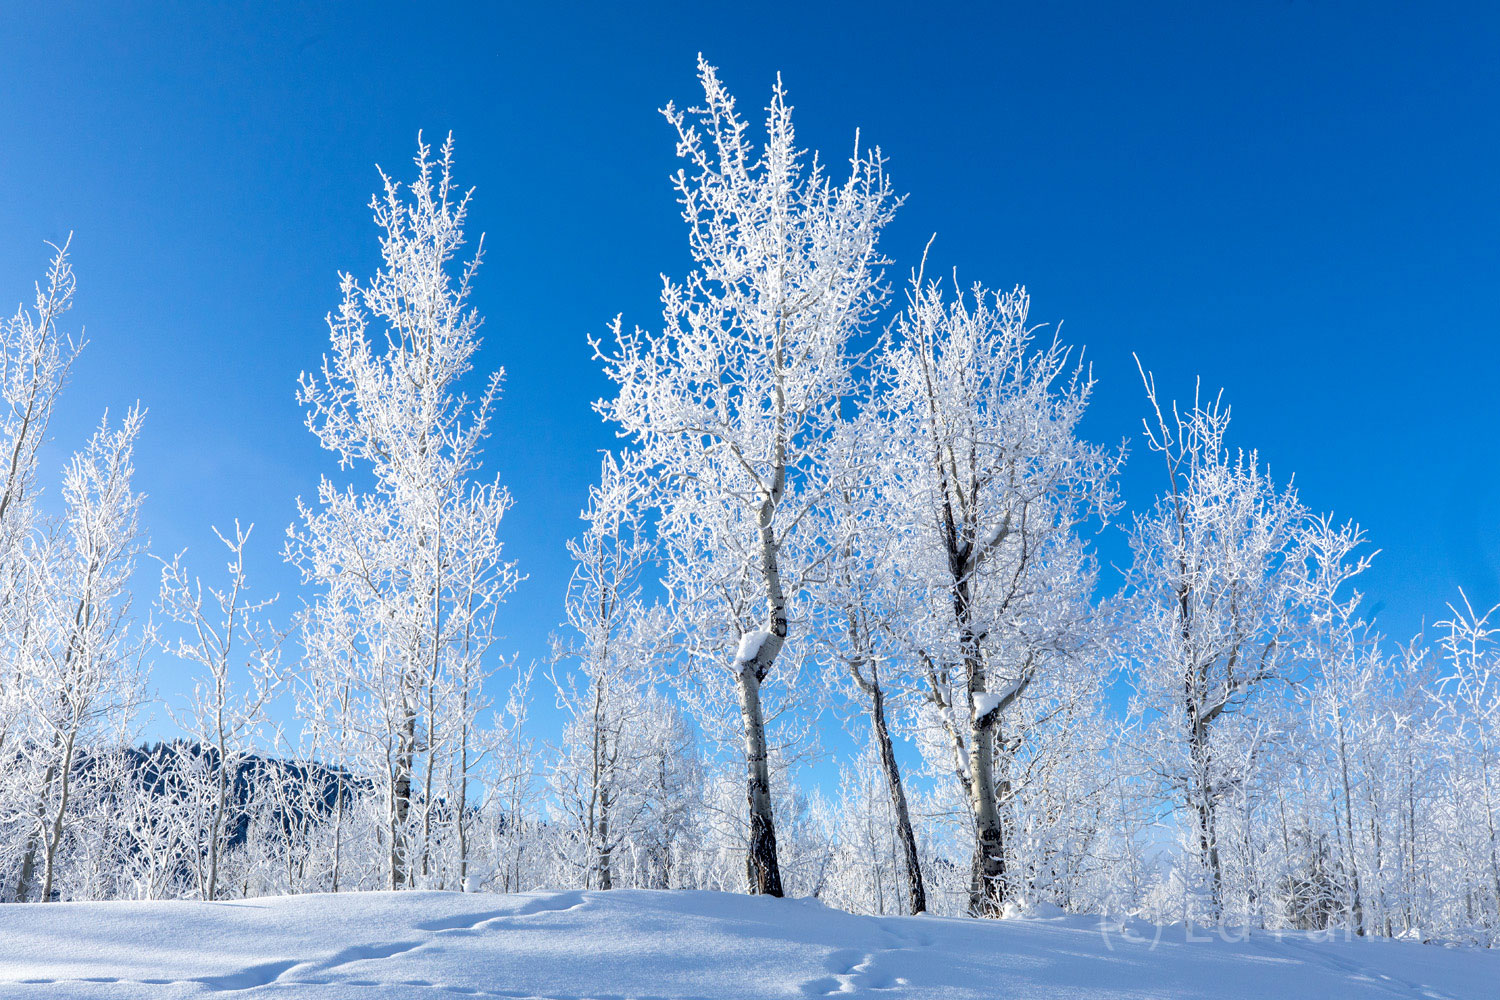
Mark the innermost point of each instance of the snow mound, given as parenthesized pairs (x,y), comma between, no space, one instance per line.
(660,945)
(985,702)
(750,644)
(1034,910)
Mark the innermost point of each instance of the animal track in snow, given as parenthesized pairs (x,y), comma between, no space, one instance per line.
(851,971)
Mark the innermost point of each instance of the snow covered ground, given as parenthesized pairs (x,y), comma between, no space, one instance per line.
(619,944)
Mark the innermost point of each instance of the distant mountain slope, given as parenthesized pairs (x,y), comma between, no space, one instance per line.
(629,943)
(158,767)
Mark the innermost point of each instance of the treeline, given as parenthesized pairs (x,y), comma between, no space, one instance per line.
(845,503)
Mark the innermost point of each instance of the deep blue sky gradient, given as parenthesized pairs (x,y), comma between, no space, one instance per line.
(1298,201)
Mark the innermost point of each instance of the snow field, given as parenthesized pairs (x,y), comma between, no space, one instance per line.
(677,945)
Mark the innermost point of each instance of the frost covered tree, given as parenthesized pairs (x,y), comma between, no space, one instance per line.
(1400,748)
(728,405)
(35,357)
(597,777)
(1371,747)
(510,827)
(1469,706)
(995,486)
(1230,581)
(81,677)
(222,630)
(866,852)
(1348,709)
(868,601)
(410,570)
(671,787)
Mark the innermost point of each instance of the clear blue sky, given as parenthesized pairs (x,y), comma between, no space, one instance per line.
(1298,201)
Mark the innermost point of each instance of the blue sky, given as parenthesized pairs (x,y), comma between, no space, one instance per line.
(1296,201)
